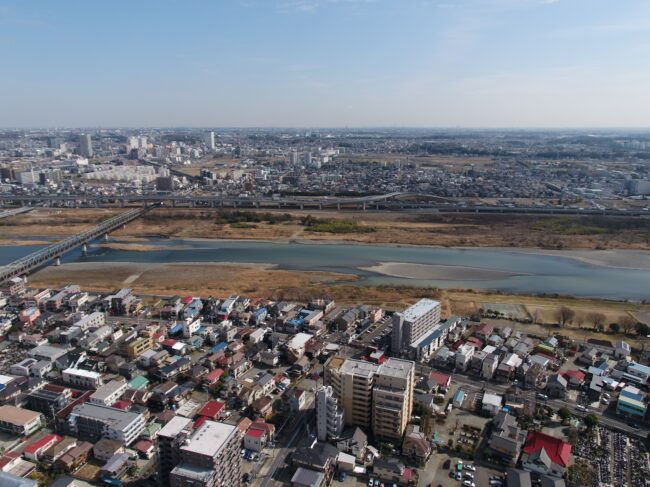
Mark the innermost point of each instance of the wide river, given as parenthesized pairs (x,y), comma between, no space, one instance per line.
(603,274)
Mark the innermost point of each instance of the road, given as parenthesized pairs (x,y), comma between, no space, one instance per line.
(280,453)
(475,385)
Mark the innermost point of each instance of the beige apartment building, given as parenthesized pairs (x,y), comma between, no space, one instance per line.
(352,382)
(392,398)
(373,396)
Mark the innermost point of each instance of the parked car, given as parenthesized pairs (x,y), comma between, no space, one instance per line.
(341,476)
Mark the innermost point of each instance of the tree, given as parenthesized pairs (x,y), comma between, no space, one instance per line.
(598,320)
(564,315)
(642,329)
(615,327)
(564,413)
(627,323)
(591,420)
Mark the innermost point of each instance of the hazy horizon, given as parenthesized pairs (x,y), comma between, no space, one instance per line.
(326,64)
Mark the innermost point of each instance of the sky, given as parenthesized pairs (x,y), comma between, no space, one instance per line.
(325,63)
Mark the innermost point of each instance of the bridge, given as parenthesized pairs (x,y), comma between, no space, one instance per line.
(55,251)
(395,201)
(17,211)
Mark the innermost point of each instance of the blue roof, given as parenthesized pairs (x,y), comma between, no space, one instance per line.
(644,369)
(429,339)
(631,395)
(296,321)
(176,328)
(219,347)
(261,311)
(460,395)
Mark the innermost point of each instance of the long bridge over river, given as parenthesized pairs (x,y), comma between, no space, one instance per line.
(53,252)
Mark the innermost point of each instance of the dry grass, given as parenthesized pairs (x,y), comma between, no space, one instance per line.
(390,228)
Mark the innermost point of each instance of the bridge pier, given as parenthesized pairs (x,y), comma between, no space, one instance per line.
(302,207)
(84,249)
(57,262)
(338,206)
(320,205)
(257,204)
(364,206)
(106,237)
(377,206)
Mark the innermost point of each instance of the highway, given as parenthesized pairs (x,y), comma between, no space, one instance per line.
(17,211)
(42,257)
(396,201)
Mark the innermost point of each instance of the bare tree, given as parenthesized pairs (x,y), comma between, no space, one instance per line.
(580,319)
(598,320)
(627,323)
(564,315)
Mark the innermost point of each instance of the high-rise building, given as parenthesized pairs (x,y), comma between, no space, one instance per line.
(293,158)
(209,140)
(392,398)
(209,458)
(371,395)
(329,415)
(170,439)
(352,382)
(85,145)
(413,324)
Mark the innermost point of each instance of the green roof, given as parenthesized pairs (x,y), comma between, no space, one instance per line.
(138,383)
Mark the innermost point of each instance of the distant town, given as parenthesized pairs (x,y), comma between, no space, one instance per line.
(531,170)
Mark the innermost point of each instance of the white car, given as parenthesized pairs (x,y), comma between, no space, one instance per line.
(468,483)
(471,468)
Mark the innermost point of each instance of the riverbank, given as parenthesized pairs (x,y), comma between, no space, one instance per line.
(374,227)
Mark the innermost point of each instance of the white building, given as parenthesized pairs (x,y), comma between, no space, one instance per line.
(464,355)
(329,415)
(109,393)
(413,324)
(190,327)
(83,378)
(85,145)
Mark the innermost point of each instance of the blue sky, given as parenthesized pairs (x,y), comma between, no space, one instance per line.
(325,63)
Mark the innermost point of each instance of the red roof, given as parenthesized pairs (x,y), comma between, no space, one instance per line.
(187,300)
(440,378)
(46,441)
(214,375)
(212,409)
(556,449)
(143,445)
(199,421)
(575,374)
(255,433)
(485,329)
(124,405)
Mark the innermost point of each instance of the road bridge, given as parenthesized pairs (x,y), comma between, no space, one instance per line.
(55,251)
(396,201)
(15,211)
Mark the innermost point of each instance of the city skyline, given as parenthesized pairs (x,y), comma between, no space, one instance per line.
(326,63)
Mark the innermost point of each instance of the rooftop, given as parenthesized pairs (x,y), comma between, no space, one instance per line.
(394,367)
(209,438)
(117,418)
(174,426)
(359,367)
(19,416)
(419,309)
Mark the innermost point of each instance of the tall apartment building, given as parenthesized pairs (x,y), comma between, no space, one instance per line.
(170,439)
(392,398)
(209,458)
(370,395)
(352,382)
(413,324)
(329,415)
(85,145)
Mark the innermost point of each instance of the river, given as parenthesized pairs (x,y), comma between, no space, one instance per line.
(617,274)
